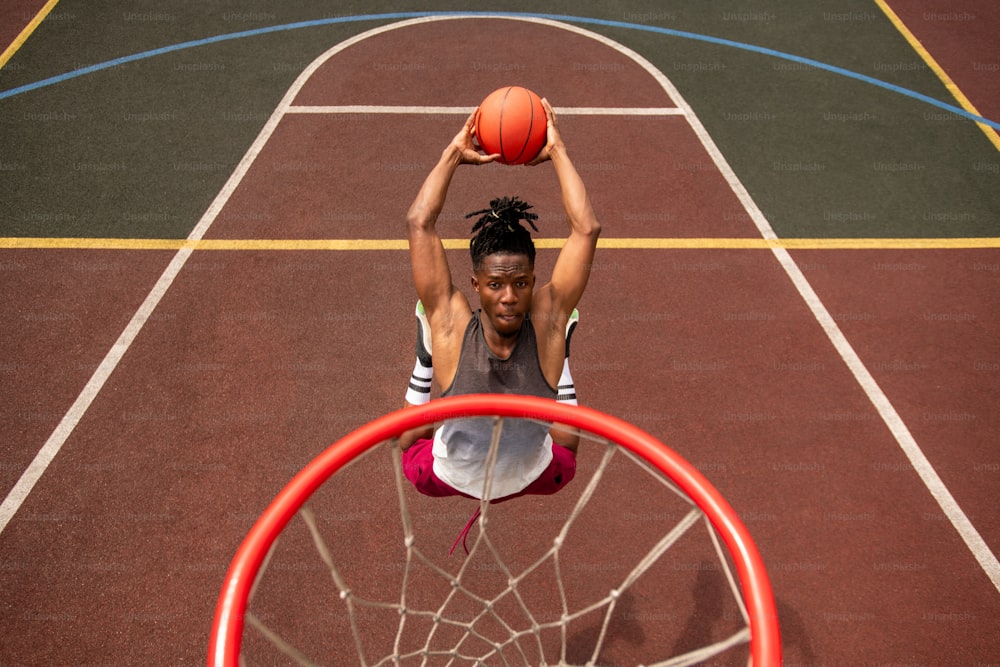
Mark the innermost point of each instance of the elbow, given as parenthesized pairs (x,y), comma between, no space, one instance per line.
(583,220)
(418,220)
(589,226)
(594,229)
(412,223)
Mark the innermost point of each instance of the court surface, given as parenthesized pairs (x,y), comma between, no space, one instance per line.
(205,283)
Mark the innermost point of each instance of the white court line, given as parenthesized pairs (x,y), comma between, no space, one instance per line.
(987,560)
(925,470)
(465,111)
(17,495)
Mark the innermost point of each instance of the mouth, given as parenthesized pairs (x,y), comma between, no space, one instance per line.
(507,324)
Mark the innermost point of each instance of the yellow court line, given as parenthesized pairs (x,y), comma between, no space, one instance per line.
(303,244)
(952,87)
(888,244)
(203,244)
(91,244)
(26,33)
(796,244)
(541,243)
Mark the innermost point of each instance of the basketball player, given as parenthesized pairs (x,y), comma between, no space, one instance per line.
(514,342)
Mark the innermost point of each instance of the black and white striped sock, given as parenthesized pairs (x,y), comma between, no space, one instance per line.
(419,390)
(566,391)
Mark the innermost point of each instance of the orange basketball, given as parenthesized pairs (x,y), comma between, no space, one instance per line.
(511,121)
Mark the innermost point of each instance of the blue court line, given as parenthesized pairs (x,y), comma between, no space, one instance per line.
(553,17)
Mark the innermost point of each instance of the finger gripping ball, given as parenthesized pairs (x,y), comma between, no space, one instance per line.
(511,121)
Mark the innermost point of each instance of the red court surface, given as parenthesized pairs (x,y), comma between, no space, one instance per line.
(933,356)
(14,17)
(255,360)
(68,307)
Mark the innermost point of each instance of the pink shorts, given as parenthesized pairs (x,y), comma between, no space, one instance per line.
(418,466)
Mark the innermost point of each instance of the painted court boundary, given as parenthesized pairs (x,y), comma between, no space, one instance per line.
(880,401)
(621,243)
(562,111)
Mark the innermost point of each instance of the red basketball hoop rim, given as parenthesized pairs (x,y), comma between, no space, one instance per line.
(227,627)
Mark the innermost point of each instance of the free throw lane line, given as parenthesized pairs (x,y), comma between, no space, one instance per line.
(465,111)
(928,475)
(26,482)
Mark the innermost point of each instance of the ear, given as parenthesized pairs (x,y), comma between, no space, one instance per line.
(475,283)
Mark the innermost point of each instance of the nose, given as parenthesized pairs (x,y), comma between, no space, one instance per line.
(508,295)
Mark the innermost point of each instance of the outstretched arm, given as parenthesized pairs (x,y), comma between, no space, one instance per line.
(431,275)
(572,268)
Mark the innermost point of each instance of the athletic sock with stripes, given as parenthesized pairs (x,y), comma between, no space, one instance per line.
(567,389)
(419,390)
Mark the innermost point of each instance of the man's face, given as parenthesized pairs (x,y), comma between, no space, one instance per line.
(504,284)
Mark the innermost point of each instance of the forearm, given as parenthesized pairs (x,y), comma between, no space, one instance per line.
(431,275)
(430,199)
(407,439)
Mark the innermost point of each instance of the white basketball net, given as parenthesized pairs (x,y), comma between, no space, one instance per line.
(373,589)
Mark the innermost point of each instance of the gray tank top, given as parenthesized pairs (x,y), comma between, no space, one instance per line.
(482,372)
(461,446)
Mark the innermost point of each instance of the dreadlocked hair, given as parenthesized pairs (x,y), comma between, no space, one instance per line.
(499,230)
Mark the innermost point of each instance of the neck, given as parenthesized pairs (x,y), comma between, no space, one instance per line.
(500,344)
